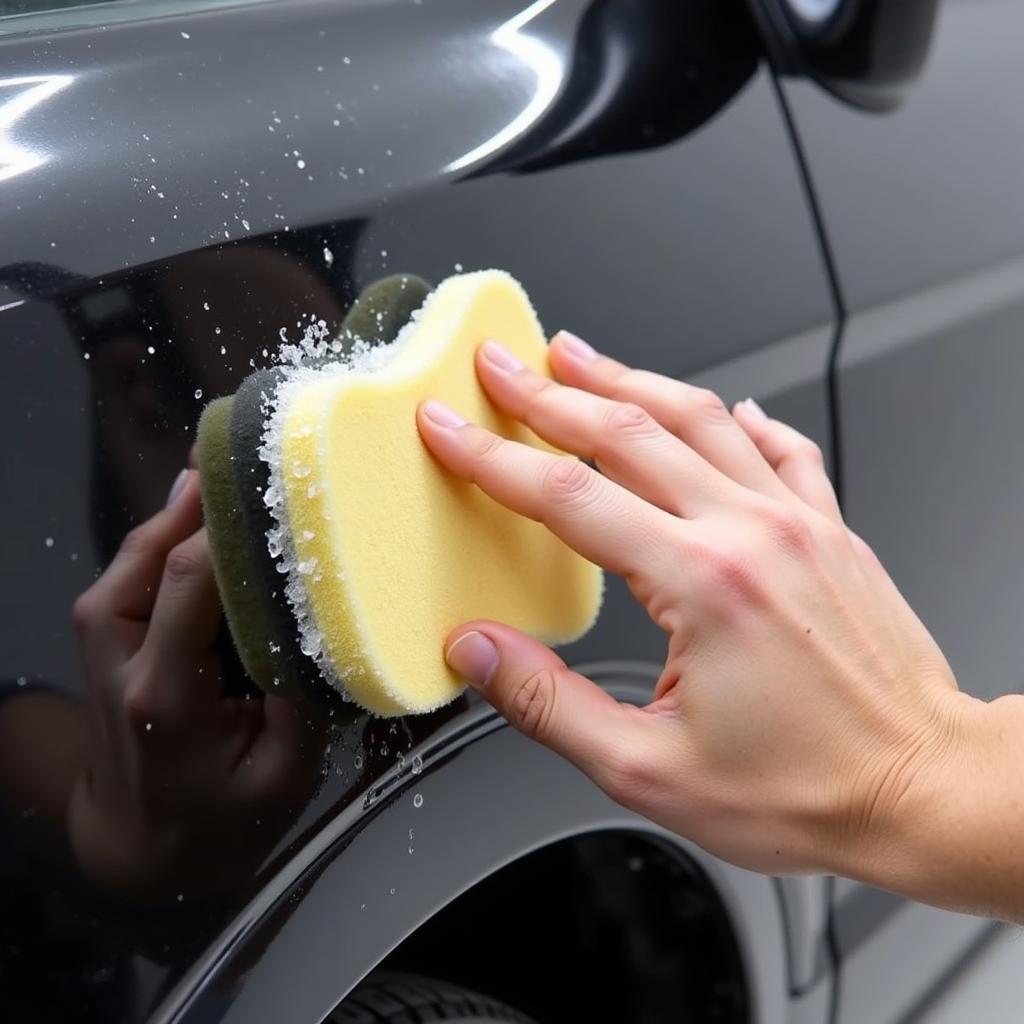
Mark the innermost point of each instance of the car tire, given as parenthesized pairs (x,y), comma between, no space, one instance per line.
(390,997)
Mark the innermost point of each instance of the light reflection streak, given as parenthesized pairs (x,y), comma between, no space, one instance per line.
(542,61)
(15,159)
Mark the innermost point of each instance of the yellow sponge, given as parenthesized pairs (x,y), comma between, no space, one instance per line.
(390,550)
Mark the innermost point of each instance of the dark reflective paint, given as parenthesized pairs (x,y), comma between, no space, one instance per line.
(687,249)
(347,898)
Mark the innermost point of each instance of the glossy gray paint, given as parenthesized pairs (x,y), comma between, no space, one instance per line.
(667,256)
(359,889)
(925,220)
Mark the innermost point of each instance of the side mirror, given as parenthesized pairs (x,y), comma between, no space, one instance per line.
(867,52)
(639,74)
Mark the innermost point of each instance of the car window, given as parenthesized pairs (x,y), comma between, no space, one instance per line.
(18,16)
(8,7)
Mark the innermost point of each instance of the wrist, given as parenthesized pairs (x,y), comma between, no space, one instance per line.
(926,838)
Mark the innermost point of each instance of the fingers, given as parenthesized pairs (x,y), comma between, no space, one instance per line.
(186,616)
(695,415)
(596,517)
(128,588)
(626,442)
(796,459)
(530,686)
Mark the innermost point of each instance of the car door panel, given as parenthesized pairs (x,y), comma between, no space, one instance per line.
(925,221)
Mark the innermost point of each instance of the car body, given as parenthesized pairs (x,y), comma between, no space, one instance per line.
(688,185)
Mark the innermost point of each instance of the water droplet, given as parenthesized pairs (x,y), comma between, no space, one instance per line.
(49,542)
(328,255)
(22,681)
(149,727)
(181,897)
(198,392)
(458,268)
(392,890)
(417,800)
(357,761)
(206,306)
(301,164)
(184,35)
(150,350)
(417,764)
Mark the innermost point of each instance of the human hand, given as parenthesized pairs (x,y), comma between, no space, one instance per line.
(182,791)
(802,706)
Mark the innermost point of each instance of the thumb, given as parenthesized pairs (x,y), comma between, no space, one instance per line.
(530,686)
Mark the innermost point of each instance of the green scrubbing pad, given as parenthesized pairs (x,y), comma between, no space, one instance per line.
(239,578)
(384,308)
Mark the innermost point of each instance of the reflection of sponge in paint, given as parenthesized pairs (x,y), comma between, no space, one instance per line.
(388,552)
(233,480)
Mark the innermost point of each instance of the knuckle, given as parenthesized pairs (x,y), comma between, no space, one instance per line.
(734,576)
(864,550)
(787,528)
(85,611)
(137,540)
(183,564)
(707,405)
(532,704)
(139,701)
(809,451)
(565,480)
(833,535)
(542,390)
(628,418)
(486,446)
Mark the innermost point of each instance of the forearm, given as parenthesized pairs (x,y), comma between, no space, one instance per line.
(956,837)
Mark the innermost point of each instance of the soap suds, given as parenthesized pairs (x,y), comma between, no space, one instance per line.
(316,357)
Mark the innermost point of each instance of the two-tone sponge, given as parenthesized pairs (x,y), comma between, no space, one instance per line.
(234,482)
(379,552)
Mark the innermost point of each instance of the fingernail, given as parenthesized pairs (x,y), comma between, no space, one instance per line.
(576,347)
(177,487)
(442,415)
(756,409)
(499,356)
(474,657)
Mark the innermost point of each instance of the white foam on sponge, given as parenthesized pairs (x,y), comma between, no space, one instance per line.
(313,359)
